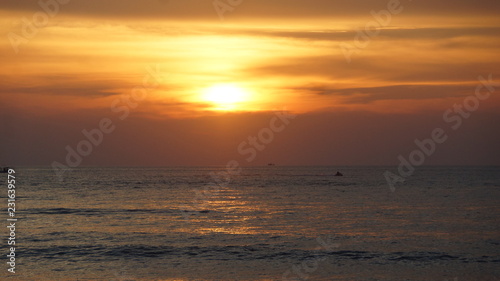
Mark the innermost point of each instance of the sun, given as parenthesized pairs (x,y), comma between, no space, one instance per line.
(225,96)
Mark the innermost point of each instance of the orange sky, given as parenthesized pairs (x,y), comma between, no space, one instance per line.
(88,58)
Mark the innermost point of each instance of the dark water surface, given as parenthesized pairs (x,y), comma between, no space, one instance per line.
(267,223)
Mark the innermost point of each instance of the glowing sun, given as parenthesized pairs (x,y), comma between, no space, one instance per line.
(225,96)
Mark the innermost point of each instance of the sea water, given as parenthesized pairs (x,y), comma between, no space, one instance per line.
(264,223)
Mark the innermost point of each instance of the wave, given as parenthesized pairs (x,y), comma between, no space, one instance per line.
(93,211)
(244,252)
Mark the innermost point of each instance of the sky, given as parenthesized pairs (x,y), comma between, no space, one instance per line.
(295,82)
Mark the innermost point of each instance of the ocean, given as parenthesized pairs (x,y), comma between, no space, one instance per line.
(263,223)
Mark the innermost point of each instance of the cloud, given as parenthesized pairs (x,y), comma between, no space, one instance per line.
(60,85)
(277,9)
(394,68)
(385,33)
(87,92)
(393,92)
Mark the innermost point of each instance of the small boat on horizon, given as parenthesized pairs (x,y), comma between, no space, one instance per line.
(339,174)
(4,169)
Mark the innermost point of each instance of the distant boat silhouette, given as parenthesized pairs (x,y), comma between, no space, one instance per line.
(4,170)
(338,174)
(271,164)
